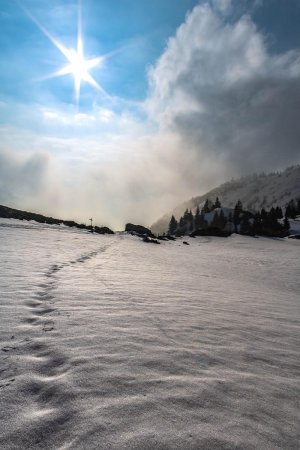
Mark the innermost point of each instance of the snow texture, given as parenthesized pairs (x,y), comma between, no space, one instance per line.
(109,343)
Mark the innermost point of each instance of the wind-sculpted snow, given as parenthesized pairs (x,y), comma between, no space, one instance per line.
(109,343)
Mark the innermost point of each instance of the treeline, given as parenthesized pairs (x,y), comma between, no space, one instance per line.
(189,222)
(238,220)
(293,208)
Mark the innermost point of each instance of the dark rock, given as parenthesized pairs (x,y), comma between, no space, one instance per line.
(294,236)
(81,226)
(138,230)
(70,223)
(103,230)
(185,243)
(10,213)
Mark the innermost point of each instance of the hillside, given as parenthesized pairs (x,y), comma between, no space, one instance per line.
(11,213)
(255,191)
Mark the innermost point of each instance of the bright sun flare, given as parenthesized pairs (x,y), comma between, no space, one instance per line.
(78,65)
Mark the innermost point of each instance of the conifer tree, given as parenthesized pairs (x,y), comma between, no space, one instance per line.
(182,223)
(187,221)
(273,212)
(190,221)
(172,225)
(207,206)
(279,213)
(269,224)
(246,227)
(217,203)
(239,206)
(230,221)
(222,220)
(237,214)
(257,226)
(216,220)
(203,222)
(286,224)
(263,214)
(291,210)
(185,224)
(197,219)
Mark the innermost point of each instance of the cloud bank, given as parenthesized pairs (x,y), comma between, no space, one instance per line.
(219,105)
(233,104)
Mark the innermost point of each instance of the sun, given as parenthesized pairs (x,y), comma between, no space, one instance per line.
(77,64)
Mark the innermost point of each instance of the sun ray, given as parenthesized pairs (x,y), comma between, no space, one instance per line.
(94,62)
(89,79)
(66,70)
(78,66)
(79,29)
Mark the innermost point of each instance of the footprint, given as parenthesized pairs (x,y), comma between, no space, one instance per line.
(48,326)
(38,347)
(45,296)
(43,312)
(44,285)
(8,348)
(6,383)
(55,268)
(30,320)
(33,303)
(54,366)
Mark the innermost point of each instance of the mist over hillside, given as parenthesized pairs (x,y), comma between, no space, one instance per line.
(255,192)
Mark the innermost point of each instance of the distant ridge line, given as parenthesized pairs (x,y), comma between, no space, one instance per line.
(11,213)
(256,191)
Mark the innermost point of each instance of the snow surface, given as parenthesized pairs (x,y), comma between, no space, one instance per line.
(107,342)
(294,225)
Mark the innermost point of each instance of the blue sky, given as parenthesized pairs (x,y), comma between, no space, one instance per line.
(138,30)
(195,92)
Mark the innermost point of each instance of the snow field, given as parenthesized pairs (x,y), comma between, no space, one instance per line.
(110,343)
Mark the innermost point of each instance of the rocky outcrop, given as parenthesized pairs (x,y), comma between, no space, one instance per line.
(138,230)
(103,230)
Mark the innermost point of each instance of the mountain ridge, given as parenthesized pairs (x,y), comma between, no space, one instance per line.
(255,191)
(11,213)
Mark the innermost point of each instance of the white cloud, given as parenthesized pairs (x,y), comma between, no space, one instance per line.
(230,101)
(59,117)
(223,6)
